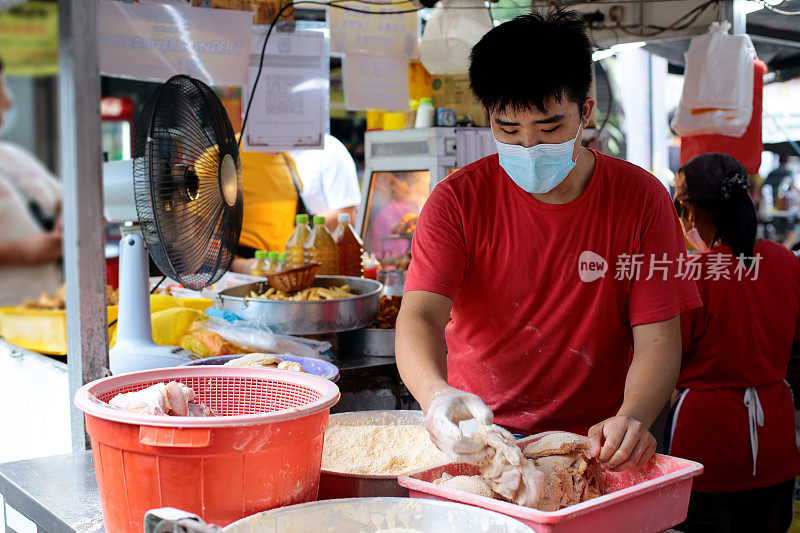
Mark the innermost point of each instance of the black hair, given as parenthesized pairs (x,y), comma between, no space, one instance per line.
(1,65)
(531,60)
(734,216)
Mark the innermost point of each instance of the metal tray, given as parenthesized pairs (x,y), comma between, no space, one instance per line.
(334,485)
(307,317)
(369,341)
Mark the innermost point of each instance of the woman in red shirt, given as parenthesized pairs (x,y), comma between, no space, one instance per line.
(735,413)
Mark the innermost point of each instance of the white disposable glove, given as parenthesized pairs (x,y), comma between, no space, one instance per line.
(446,410)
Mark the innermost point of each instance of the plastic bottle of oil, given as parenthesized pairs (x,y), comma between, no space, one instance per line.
(320,248)
(257,268)
(281,263)
(272,263)
(294,248)
(349,246)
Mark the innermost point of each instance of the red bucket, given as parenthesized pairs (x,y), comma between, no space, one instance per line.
(264,451)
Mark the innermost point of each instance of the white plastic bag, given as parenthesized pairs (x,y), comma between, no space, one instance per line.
(450,34)
(255,335)
(717,93)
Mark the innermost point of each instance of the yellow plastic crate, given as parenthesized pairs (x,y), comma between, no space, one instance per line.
(39,330)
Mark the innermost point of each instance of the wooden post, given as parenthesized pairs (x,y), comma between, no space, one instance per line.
(81,172)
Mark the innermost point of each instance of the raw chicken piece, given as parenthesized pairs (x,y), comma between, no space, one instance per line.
(572,476)
(507,471)
(173,398)
(152,400)
(255,360)
(472,484)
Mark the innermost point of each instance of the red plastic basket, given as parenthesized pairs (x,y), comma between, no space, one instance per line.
(264,451)
(650,499)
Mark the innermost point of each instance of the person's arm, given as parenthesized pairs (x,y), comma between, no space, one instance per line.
(241,265)
(39,249)
(624,441)
(422,362)
(420,346)
(331,216)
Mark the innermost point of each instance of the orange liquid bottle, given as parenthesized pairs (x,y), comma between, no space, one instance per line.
(349,246)
(320,248)
(294,247)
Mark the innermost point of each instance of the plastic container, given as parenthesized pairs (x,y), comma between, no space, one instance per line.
(371,266)
(294,247)
(258,266)
(265,451)
(320,248)
(315,367)
(425,114)
(39,330)
(349,246)
(394,121)
(650,499)
(281,263)
(271,265)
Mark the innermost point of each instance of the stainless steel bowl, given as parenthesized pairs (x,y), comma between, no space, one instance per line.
(339,485)
(368,341)
(379,514)
(307,317)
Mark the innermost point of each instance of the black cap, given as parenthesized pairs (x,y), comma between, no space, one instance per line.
(713,176)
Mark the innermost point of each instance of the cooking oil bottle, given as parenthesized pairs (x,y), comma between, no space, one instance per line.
(294,248)
(272,263)
(257,268)
(349,246)
(320,248)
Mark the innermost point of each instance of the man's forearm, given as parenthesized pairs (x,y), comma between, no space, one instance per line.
(421,357)
(10,253)
(653,372)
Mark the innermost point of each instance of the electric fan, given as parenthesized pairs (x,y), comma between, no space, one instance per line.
(187,193)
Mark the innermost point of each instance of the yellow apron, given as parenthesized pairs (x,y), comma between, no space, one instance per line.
(270,200)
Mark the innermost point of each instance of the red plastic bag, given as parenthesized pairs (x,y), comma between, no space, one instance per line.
(747,148)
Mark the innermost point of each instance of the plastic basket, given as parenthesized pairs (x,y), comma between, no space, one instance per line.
(294,279)
(650,499)
(264,451)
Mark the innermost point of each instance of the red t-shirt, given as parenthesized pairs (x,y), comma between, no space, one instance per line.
(544,349)
(741,338)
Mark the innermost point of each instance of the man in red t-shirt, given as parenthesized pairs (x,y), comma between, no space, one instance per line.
(556,262)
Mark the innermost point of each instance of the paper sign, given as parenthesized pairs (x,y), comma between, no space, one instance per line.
(29,39)
(391,35)
(290,106)
(156,41)
(376,82)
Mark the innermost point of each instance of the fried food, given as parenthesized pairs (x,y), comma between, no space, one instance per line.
(58,300)
(388,308)
(265,360)
(407,224)
(311,294)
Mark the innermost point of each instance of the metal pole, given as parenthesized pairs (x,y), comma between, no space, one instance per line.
(733,11)
(81,171)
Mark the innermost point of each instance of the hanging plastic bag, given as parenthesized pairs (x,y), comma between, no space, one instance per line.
(207,343)
(256,336)
(717,95)
(450,34)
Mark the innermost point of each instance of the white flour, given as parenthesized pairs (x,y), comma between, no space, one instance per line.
(379,450)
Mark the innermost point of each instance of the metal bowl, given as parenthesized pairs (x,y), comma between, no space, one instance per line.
(307,317)
(368,341)
(379,514)
(340,485)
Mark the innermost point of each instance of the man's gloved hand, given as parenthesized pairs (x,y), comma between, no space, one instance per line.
(449,407)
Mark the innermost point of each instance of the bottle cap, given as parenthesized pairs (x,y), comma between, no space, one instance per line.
(301,219)
(426,101)
(319,220)
(282,258)
(261,254)
(273,256)
(343,218)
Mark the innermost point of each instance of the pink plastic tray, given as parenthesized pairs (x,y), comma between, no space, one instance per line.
(651,499)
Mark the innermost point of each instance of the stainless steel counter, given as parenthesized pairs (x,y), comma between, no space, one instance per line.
(53,494)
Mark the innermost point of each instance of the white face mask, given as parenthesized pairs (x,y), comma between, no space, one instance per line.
(694,238)
(540,168)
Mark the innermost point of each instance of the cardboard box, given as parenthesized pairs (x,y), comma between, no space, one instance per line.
(455,92)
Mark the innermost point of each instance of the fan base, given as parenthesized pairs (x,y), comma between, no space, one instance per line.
(132,357)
